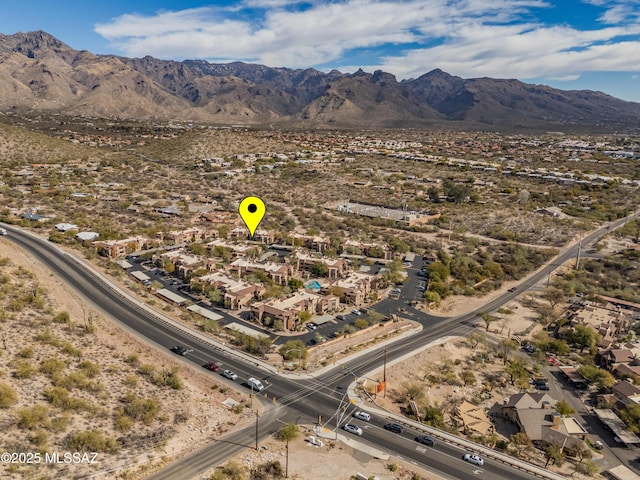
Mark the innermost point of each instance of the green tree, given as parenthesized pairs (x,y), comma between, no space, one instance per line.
(553,295)
(288,432)
(319,269)
(564,408)
(293,349)
(553,453)
(517,371)
(295,284)
(583,337)
(521,441)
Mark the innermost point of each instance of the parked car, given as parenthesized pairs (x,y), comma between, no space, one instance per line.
(598,445)
(472,458)
(356,312)
(529,348)
(180,350)
(426,440)
(553,361)
(364,416)
(353,429)
(541,386)
(340,317)
(311,326)
(394,427)
(214,367)
(230,375)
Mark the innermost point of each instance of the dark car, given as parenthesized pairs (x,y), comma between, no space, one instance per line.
(541,386)
(180,350)
(512,289)
(214,367)
(426,440)
(394,427)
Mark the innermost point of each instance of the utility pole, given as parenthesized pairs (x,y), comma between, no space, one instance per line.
(384,374)
(257,417)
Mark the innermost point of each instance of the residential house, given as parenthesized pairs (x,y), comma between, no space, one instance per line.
(354,288)
(117,248)
(287,310)
(535,415)
(280,273)
(626,393)
(337,267)
(190,235)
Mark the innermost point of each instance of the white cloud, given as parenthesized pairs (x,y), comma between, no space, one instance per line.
(468,38)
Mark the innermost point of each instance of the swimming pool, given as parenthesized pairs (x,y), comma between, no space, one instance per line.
(313,285)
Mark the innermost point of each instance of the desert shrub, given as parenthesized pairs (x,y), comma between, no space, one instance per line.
(34,416)
(123,423)
(39,438)
(48,338)
(8,396)
(361,323)
(393,467)
(61,398)
(26,352)
(131,380)
(147,369)
(140,409)
(52,366)
(23,369)
(73,380)
(90,369)
(69,349)
(62,317)
(58,424)
(133,359)
(91,441)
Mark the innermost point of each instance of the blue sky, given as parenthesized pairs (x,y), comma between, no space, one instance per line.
(569,44)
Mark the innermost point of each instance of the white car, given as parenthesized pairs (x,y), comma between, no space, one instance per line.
(364,416)
(353,429)
(230,375)
(356,312)
(472,458)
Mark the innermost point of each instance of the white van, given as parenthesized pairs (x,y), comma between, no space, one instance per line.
(255,384)
(3,231)
(364,416)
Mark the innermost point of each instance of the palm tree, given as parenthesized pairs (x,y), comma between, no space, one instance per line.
(289,431)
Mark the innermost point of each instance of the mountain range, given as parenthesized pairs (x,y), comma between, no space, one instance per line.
(40,73)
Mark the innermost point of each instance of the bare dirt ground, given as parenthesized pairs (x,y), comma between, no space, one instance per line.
(188,417)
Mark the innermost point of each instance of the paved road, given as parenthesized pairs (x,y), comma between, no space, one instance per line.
(304,400)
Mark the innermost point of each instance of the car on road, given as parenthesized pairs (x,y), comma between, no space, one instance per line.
(512,289)
(230,375)
(353,429)
(364,416)
(394,427)
(3,231)
(214,367)
(598,445)
(426,440)
(255,384)
(472,458)
(542,386)
(180,350)
(356,312)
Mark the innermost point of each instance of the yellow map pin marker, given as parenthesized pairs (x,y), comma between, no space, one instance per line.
(252,211)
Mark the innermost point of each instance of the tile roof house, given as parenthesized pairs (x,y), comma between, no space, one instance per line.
(535,415)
